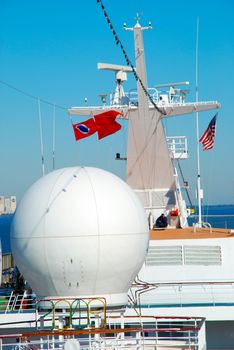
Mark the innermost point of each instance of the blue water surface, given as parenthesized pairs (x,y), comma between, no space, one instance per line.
(5,225)
(220,216)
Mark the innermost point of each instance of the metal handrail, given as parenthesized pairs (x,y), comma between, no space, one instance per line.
(176,332)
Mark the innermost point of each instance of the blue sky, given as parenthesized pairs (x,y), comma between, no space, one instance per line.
(50,50)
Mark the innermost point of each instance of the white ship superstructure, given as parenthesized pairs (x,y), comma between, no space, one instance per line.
(187,277)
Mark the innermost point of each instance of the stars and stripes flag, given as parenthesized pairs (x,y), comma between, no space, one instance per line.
(207,139)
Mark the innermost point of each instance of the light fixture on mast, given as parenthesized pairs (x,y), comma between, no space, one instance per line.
(118,157)
(103,98)
(137,18)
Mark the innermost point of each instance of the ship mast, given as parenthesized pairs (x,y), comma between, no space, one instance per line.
(143,104)
(149,169)
(149,166)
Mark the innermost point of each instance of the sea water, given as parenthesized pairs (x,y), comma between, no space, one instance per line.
(220,216)
(5,226)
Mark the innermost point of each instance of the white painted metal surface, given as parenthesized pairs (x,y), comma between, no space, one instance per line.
(80,232)
(117,332)
(188,263)
(178,147)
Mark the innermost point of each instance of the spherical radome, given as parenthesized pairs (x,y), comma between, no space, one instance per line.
(80,232)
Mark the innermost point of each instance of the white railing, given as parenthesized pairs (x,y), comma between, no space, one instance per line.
(140,343)
(182,294)
(133,332)
(17,302)
(178,147)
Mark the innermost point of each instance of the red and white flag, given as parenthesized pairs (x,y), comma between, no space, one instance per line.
(207,139)
(104,124)
(84,129)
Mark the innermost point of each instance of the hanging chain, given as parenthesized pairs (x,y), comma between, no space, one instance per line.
(128,61)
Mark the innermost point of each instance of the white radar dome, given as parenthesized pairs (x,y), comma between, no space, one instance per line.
(80,232)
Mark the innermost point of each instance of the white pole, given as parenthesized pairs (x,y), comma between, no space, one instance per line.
(53,152)
(199,223)
(41,139)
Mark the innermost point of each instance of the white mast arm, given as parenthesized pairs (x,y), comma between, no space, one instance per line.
(187,108)
(170,110)
(114,67)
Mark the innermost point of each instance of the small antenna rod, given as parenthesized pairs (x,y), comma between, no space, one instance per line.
(199,197)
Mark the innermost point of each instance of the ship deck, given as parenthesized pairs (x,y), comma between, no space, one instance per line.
(190,233)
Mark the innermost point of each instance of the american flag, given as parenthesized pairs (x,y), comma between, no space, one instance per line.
(207,138)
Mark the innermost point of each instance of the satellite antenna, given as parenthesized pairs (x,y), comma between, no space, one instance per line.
(120,78)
